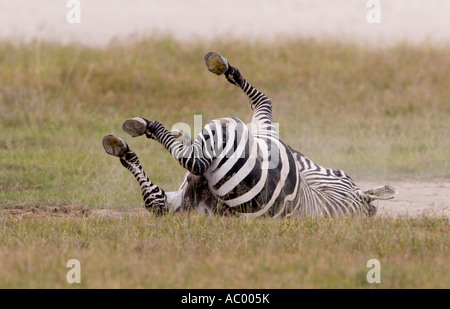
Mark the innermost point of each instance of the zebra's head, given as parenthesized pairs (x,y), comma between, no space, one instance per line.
(194,193)
(380,193)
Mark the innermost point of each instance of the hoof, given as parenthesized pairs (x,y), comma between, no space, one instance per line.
(216,63)
(114,145)
(180,134)
(135,126)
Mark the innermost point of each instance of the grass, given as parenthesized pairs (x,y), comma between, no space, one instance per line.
(375,113)
(138,250)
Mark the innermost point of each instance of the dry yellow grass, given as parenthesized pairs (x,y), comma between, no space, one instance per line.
(138,250)
(377,114)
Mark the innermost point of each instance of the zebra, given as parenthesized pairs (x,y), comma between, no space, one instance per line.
(243,170)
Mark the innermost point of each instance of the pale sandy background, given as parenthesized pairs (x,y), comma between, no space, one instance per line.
(414,21)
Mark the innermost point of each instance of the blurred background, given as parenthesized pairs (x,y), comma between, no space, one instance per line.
(102,20)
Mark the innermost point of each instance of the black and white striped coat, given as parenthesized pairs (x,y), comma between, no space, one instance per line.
(245,170)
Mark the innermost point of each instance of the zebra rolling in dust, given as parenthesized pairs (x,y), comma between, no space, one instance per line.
(241,170)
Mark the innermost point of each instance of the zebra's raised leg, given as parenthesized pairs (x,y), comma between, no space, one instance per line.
(259,102)
(195,157)
(154,197)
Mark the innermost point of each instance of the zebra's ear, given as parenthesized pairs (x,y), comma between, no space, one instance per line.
(381,193)
(182,136)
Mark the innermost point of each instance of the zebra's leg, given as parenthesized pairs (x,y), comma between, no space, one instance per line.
(154,197)
(259,102)
(195,157)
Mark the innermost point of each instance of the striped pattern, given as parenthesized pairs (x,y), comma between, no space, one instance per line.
(153,196)
(327,192)
(253,172)
(250,170)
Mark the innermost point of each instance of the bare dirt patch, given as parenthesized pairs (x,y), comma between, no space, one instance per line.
(68,210)
(23,210)
(415,198)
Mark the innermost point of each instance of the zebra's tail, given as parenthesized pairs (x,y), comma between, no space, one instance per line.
(381,193)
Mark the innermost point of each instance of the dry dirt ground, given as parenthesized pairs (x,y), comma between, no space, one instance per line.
(415,198)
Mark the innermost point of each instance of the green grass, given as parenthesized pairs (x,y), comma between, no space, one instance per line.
(376,113)
(192,251)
